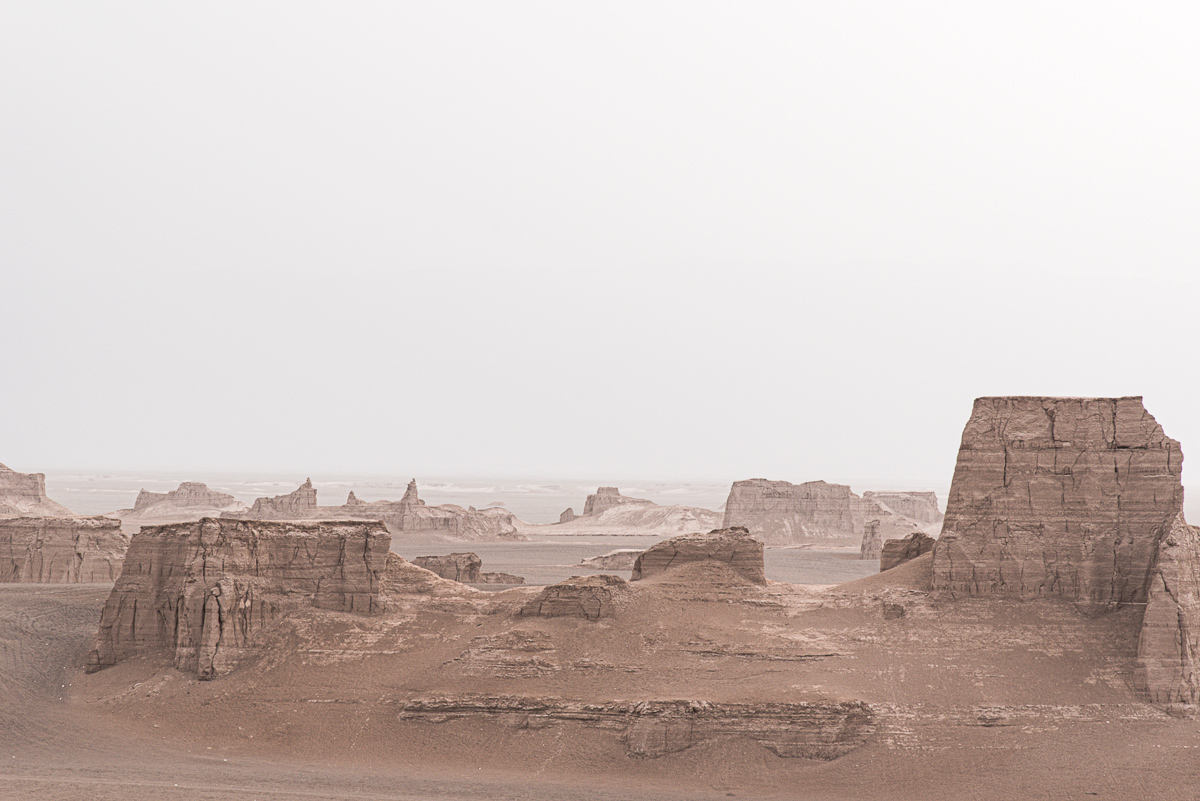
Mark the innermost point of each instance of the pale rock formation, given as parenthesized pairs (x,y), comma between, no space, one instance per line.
(606,498)
(619,559)
(733,547)
(25,494)
(1168,658)
(499,578)
(297,505)
(567,516)
(781,513)
(1059,497)
(352,500)
(410,495)
(872,544)
(897,552)
(463,567)
(61,550)
(206,590)
(191,501)
(921,507)
(591,598)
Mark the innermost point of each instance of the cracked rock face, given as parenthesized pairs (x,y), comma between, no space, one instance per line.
(1060,497)
(731,546)
(1168,660)
(897,552)
(590,598)
(462,567)
(205,590)
(61,550)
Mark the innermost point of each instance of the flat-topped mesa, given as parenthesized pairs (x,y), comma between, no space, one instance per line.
(781,513)
(605,498)
(297,505)
(872,542)
(919,506)
(189,494)
(61,550)
(25,494)
(896,552)
(1059,497)
(730,546)
(462,567)
(206,590)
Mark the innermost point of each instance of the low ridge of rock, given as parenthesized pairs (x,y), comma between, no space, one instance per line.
(619,559)
(25,494)
(730,546)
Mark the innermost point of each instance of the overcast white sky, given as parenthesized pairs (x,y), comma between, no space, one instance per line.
(684,240)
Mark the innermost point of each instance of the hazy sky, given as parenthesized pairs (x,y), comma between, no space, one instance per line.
(788,240)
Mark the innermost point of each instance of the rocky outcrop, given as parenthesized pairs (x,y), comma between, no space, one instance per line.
(733,547)
(921,507)
(1168,656)
(487,577)
(297,505)
(463,567)
(823,730)
(1059,497)
(567,516)
(606,498)
(189,494)
(905,549)
(780,513)
(207,590)
(872,543)
(590,598)
(407,516)
(61,550)
(620,559)
(25,494)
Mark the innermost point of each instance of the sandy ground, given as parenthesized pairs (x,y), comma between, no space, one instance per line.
(975,701)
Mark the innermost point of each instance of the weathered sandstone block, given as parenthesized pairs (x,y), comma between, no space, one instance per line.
(61,550)
(205,590)
(591,598)
(297,505)
(620,559)
(780,513)
(606,498)
(872,543)
(462,567)
(25,494)
(567,516)
(189,494)
(1061,497)
(897,552)
(1168,660)
(919,506)
(731,546)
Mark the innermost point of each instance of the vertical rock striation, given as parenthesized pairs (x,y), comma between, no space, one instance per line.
(205,590)
(1168,660)
(896,552)
(872,543)
(61,550)
(1063,497)
(731,546)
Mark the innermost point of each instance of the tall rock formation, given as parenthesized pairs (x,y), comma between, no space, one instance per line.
(781,513)
(25,494)
(1063,497)
(872,542)
(606,498)
(1168,660)
(1080,499)
(61,550)
(206,590)
(731,546)
(297,505)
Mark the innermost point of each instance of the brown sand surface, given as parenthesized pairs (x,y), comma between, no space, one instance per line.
(973,699)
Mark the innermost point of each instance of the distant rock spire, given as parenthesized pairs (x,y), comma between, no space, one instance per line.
(410,495)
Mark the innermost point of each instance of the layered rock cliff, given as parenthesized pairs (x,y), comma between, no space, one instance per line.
(191,501)
(1061,497)
(61,550)
(731,546)
(1168,660)
(919,506)
(297,505)
(896,552)
(25,494)
(781,513)
(206,590)
(605,498)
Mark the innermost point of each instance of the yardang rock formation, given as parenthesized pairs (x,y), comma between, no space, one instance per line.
(25,494)
(61,550)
